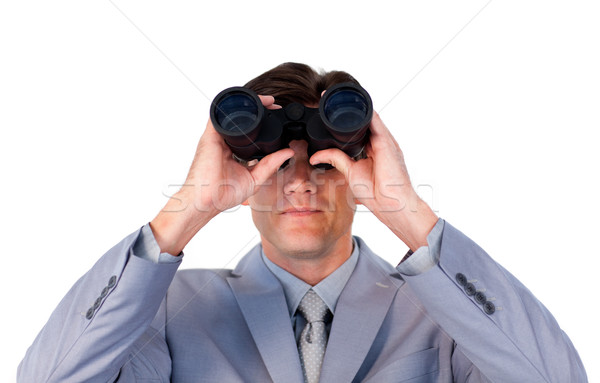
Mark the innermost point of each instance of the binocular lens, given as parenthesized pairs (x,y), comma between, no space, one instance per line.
(251,132)
(346,110)
(236,113)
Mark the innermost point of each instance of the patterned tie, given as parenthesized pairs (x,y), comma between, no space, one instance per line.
(313,339)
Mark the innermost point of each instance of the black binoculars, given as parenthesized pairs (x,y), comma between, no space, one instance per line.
(251,131)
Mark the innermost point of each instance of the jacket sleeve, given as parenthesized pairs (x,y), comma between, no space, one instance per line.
(101,331)
(499,327)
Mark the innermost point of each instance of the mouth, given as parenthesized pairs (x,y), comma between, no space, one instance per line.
(300,211)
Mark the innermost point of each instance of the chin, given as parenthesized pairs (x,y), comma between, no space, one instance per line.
(305,244)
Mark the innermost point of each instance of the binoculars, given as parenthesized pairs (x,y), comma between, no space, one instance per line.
(252,131)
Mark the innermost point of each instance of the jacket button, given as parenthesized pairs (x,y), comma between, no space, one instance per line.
(470,289)
(489,308)
(112,281)
(90,313)
(461,279)
(480,298)
(104,292)
(97,303)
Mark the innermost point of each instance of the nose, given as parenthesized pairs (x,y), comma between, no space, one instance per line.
(298,177)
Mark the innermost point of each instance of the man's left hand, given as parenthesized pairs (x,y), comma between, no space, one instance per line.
(381,183)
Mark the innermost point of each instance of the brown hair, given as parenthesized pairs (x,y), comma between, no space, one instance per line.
(293,82)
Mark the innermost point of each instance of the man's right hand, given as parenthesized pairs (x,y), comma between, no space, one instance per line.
(215,182)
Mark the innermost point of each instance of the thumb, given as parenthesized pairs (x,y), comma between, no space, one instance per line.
(335,157)
(269,165)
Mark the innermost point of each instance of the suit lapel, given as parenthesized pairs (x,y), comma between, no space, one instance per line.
(359,313)
(262,302)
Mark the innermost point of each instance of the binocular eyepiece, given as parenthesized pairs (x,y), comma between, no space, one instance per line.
(251,131)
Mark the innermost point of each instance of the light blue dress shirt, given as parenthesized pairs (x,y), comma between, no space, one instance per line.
(426,256)
(146,247)
(329,289)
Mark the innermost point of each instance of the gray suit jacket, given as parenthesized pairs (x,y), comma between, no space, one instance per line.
(130,320)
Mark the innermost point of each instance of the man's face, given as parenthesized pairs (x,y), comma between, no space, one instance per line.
(302,211)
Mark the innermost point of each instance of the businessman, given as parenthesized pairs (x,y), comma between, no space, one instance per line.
(311,302)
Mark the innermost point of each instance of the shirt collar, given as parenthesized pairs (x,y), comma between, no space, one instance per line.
(329,289)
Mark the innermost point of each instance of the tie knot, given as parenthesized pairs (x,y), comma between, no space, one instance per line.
(313,308)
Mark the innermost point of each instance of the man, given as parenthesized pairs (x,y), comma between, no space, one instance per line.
(311,302)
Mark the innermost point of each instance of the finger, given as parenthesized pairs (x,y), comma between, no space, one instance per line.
(212,140)
(266,100)
(335,157)
(269,102)
(377,127)
(269,165)
(211,135)
(369,150)
(380,134)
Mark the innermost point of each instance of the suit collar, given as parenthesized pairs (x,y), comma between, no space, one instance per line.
(362,307)
(262,302)
(360,311)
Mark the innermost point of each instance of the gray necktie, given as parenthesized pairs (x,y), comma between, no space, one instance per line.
(313,339)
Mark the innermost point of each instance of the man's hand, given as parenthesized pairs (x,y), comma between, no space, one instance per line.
(381,183)
(215,182)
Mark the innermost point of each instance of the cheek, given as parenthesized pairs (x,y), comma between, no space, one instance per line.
(260,220)
(348,199)
(264,199)
(340,197)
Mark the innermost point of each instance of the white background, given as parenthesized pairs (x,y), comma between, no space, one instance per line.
(495,105)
